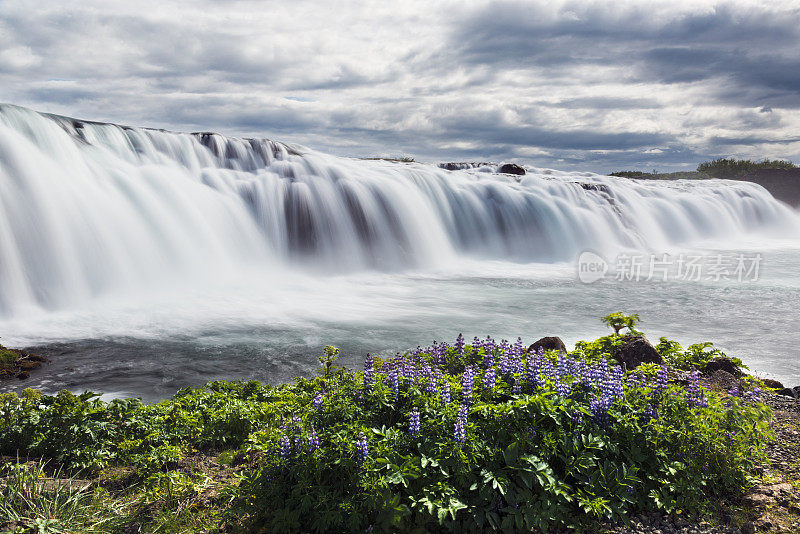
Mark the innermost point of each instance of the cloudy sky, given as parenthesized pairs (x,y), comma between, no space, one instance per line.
(573,85)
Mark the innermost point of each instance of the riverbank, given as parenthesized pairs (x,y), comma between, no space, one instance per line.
(448,437)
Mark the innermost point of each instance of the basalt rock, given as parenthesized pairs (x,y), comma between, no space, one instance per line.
(723,381)
(18,363)
(511,168)
(721,364)
(788,392)
(635,351)
(549,343)
(772,384)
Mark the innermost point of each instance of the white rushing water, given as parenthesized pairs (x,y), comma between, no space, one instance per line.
(109,231)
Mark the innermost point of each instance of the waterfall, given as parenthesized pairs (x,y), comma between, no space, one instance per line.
(88,208)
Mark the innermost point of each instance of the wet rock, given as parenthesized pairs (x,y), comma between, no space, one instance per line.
(788,392)
(601,188)
(724,364)
(635,351)
(549,343)
(511,168)
(22,375)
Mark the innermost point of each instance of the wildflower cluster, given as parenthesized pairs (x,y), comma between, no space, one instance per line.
(440,438)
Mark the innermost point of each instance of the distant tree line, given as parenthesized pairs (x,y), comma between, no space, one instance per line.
(718,168)
(735,168)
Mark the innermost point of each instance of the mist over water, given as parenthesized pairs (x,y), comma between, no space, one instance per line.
(144,261)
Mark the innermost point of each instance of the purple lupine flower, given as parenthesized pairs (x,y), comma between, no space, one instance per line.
(488,358)
(460,345)
(444,393)
(753,396)
(662,378)
(460,430)
(613,382)
(362,449)
(694,392)
(319,399)
(563,367)
(532,372)
(577,417)
(489,379)
(369,370)
(488,345)
(313,440)
(563,389)
(394,382)
(505,348)
(649,414)
(546,368)
(413,424)
(734,391)
(430,386)
(518,347)
(410,372)
(286,447)
(505,365)
(467,384)
(516,389)
(599,408)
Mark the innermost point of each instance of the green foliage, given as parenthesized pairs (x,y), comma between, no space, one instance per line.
(8,359)
(601,348)
(735,168)
(328,360)
(619,320)
(695,356)
(531,457)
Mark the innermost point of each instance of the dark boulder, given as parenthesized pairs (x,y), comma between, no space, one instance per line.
(721,364)
(788,392)
(772,384)
(511,168)
(723,380)
(548,343)
(796,391)
(635,351)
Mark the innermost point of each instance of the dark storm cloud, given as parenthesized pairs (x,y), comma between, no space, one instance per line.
(750,48)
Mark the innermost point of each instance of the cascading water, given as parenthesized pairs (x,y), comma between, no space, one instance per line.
(86,208)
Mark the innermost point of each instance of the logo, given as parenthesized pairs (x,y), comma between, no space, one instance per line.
(591,267)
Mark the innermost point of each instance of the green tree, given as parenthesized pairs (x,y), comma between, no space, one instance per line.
(619,320)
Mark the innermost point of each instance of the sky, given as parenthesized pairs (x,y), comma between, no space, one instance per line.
(573,85)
